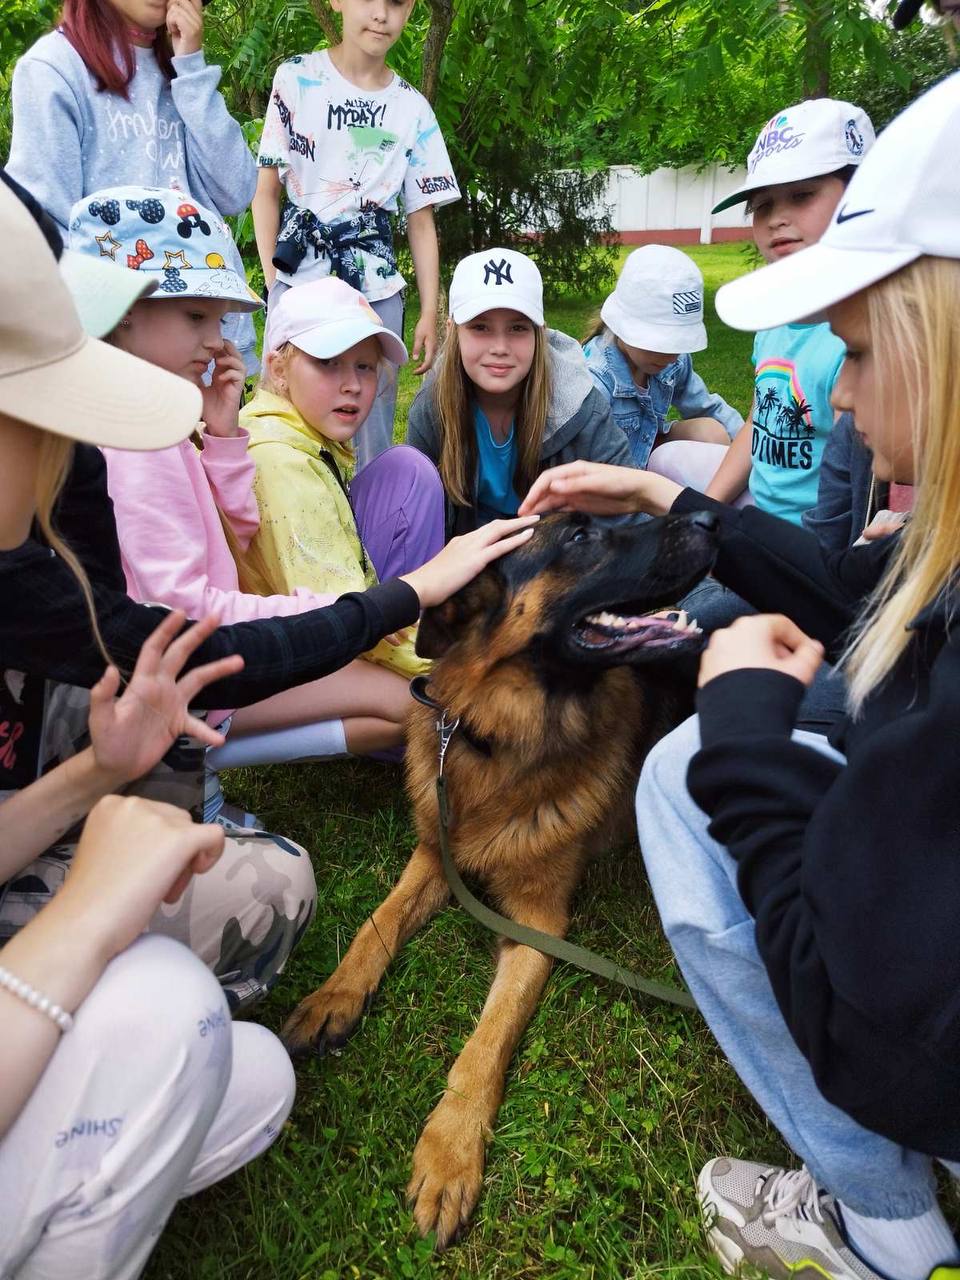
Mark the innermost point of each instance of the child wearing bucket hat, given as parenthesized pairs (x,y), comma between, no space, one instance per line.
(508,397)
(809,890)
(639,354)
(105,1081)
(187,516)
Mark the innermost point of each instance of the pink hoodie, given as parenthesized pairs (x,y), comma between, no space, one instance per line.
(171,540)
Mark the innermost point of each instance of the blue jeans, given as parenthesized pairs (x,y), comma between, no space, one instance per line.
(712,935)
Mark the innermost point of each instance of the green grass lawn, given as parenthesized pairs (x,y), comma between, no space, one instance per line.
(612,1103)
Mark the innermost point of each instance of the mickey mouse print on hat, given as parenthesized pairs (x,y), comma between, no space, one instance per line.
(496,278)
(164,235)
(810,140)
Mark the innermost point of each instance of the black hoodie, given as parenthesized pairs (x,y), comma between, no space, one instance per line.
(852,872)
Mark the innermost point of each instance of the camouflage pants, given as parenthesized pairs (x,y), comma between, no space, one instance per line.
(243,918)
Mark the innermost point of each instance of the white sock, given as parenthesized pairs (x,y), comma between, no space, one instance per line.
(903,1248)
(306,742)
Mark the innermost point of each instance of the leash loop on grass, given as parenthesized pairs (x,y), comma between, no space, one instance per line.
(548,943)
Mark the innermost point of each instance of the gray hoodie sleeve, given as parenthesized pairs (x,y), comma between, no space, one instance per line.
(422,426)
(46,147)
(218,158)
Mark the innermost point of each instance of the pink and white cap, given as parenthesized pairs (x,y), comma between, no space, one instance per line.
(325,318)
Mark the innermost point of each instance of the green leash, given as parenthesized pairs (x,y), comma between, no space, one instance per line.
(548,943)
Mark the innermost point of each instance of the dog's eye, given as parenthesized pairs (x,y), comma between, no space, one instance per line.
(579,534)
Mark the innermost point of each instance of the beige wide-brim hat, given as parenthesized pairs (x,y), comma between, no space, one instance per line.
(55,377)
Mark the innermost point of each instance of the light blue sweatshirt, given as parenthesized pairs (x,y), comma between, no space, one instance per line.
(70,139)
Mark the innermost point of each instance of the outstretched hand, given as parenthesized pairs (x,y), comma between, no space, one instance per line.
(463,558)
(767,640)
(600,489)
(131,733)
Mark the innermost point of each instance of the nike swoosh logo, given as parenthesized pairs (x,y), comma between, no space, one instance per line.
(857,213)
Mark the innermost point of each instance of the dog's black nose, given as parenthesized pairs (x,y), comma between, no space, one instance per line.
(705,520)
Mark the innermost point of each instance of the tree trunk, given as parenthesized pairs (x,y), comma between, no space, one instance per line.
(327,20)
(816,49)
(441,20)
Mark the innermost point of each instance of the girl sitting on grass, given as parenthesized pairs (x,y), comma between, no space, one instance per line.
(186,515)
(811,897)
(509,396)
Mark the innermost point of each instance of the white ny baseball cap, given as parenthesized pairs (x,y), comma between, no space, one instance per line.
(810,140)
(901,204)
(657,304)
(496,278)
(326,317)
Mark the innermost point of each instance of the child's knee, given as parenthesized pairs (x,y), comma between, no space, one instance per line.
(664,771)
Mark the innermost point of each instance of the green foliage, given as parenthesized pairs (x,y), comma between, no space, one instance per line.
(21,22)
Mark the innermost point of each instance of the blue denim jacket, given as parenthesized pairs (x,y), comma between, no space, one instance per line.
(643,414)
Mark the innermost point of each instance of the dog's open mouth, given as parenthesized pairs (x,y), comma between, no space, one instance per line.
(624,633)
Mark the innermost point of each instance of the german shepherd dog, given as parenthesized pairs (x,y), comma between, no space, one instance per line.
(554,725)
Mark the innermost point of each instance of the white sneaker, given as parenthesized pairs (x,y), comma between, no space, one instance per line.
(778,1221)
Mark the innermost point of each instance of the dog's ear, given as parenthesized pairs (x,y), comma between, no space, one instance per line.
(444,624)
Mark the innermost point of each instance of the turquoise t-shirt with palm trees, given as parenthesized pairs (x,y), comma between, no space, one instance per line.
(795,367)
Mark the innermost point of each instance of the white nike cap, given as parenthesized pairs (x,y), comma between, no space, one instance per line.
(902,203)
(810,140)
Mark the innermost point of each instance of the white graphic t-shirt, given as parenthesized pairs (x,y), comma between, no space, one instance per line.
(346,155)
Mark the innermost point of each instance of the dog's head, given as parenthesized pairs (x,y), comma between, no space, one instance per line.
(583,593)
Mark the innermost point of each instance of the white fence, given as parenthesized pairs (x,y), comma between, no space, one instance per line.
(673,205)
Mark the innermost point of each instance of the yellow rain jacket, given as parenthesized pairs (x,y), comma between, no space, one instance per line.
(308,535)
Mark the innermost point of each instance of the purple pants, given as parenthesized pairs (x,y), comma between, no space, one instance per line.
(398,503)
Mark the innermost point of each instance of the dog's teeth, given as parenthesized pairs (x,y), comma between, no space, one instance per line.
(693,625)
(681,621)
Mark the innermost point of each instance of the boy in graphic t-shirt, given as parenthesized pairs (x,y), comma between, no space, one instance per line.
(344,137)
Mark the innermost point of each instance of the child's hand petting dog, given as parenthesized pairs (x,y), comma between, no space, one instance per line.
(767,640)
(462,558)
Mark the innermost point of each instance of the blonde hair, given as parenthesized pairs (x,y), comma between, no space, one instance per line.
(53,467)
(915,336)
(452,392)
(282,355)
(595,326)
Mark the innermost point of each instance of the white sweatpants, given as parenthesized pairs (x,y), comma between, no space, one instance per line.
(152,1096)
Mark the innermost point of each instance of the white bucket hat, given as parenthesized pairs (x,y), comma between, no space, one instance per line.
(901,204)
(496,278)
(324,318)
(657,304)
(53,376)
(812,139)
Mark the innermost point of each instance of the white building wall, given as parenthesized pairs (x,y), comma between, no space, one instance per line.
(674,201)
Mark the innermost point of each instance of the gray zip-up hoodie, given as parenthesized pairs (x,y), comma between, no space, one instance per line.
(579,423)
(70,139)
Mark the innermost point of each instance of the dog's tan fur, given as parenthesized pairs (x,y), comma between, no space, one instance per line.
(557,784)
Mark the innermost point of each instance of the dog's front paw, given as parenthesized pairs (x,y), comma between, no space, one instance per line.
(448,1171)
(324,1021)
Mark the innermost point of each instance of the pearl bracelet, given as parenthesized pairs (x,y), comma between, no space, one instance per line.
(35,1000)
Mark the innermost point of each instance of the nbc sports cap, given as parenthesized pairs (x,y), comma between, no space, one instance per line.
(901,204)
(53,376)
(810,140)
(167,238)
(496,278)
(657,304)
(324,318)
(102,296)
